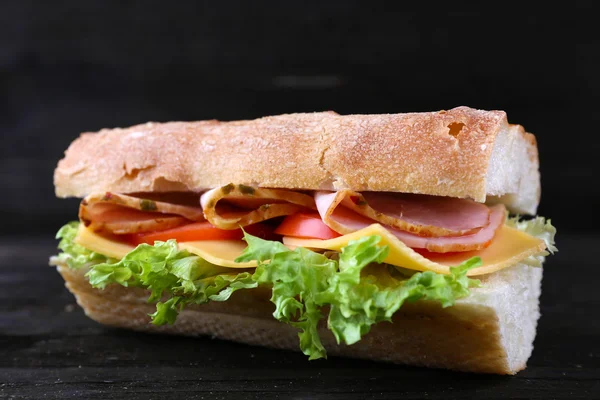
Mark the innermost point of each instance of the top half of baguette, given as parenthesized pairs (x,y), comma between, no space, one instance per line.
(461,152)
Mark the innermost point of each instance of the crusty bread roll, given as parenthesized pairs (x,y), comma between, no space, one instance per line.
(490,331)
(460,153)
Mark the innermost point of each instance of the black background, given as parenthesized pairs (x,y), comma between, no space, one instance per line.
(70,67)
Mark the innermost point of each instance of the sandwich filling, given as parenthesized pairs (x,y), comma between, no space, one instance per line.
(355,256)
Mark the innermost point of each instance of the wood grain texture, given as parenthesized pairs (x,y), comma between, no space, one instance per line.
(49,349)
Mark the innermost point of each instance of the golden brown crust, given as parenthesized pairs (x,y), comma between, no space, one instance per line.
(444,153)
(466,337)
(415,153)
(181,156)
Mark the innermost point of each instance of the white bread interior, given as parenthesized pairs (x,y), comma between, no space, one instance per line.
(491,331)
(513,175)
(461,152)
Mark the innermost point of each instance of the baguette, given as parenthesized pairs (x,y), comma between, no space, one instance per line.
(462,152)
(490,331)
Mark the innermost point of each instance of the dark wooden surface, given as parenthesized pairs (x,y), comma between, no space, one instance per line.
(49,349)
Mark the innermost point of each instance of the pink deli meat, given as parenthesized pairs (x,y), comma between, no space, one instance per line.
(337,212)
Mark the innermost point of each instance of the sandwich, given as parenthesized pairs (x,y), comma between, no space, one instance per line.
(409,238)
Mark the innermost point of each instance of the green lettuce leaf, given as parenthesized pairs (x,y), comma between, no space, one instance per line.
(540,228)
(297,277)
(363,294)
(74,255)
(358,292)
(352,288)
(168,272)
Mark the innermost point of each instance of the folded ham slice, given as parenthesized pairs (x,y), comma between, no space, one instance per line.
(344,220)
(419,214)
(123,214)
(232,206)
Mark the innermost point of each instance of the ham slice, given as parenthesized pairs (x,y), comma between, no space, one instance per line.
(345,220)
(232,206)
(123,214)
(420,214)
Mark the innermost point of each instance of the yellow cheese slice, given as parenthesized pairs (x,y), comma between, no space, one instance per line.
(508,248)
(92,241)
(219,252)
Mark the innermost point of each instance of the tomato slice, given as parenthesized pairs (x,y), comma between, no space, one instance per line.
(202,231)
(306,225)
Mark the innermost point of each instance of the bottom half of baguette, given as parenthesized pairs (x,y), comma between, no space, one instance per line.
(490,331)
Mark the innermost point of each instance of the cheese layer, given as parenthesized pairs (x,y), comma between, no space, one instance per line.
(219,252)
(100,244)
(509,247)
